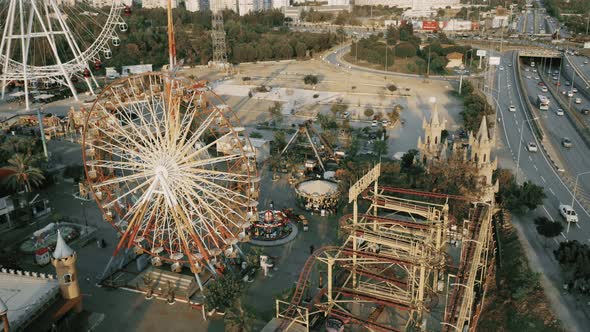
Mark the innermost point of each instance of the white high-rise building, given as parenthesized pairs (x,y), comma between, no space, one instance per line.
(338,2)
(217,5)
(195,5)
(278,4)
(249,6)
(414,4)
(157,4)
(96,3)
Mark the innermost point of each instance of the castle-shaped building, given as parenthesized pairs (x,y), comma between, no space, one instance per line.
(64,259)
(476,151)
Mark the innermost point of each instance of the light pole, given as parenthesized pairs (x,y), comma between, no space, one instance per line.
(520,145)
(576,187)
(84,213)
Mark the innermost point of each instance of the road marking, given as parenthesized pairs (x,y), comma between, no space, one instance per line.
(563,236)
(554,239)
(577,225)
(551,190)
(518,129)
(550,217)
(531,159)
(542,178)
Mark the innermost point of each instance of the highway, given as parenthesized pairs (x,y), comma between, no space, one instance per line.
(534,166)
(537,167)
(576,159)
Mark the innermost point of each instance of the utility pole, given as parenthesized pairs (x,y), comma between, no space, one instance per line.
(40,119)
(428,65)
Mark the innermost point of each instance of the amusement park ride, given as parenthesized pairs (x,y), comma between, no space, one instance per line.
(307,133)
(395,267)
(44,42)
(148,149)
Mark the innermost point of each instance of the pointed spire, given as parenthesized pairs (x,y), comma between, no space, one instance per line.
(434,119)
(62,250)
(482,133)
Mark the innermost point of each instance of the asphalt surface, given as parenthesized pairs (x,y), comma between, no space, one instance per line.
(536,166)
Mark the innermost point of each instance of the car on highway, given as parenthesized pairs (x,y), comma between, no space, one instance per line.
(544,89)
(585,111)
(578,100)
(567,83)
(532,147)
(527,70)
(501,67)
(559,112)
(574,90)
(528,77)
(585,62)
(567,142)
(512,108)
(541,84)
(534,70)
(568,213)
(555,78)
(570,94)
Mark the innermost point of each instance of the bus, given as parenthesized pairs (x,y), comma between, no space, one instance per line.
(543,102)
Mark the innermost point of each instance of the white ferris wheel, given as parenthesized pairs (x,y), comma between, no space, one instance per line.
(54,42)
(151,157)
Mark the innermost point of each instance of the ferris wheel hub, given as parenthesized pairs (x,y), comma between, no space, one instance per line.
(162,171)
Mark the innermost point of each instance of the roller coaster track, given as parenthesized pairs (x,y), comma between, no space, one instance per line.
(306,272)
(365,322)
(385,220)
(464,276)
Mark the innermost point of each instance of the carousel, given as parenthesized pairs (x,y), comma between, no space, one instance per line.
(272,225)
(318,195)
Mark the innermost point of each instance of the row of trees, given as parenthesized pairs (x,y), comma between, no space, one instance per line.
(475,107)
(518,198)
(575,259)
(252,37)
(401,43)
(577,24)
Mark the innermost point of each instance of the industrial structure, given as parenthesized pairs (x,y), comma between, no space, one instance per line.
(218,37)
(396,270)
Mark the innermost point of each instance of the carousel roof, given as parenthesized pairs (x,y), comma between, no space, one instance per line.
(320,187)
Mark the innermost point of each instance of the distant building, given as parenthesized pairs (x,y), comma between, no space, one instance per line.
(195,5)
(136,69)
(278,4)
(217,5)
(338,2)
(455,59)
(414,4)
(149,4)
(97,3)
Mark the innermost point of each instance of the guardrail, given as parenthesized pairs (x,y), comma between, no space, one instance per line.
(529,107)
(579,75)
(574,117)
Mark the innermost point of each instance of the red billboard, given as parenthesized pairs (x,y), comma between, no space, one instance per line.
(430,25)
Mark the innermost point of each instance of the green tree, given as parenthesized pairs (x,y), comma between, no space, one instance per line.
(276,113)
(279,140)
(380,147)
(547,228)
(300,49)
(310,79)
(221,293)
(23,176)
(239,318)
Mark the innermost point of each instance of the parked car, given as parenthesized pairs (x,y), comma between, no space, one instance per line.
(568,213)
(559,112)
(532,147)
(374,124)
(567,142)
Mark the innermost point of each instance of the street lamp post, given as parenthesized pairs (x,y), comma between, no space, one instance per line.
(576,187)
(520,146)
(85,218)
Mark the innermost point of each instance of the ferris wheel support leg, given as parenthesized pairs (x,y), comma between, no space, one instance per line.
(71,43)
(199,282)
(24,54)
(89,86)
(7,32)
(51,41)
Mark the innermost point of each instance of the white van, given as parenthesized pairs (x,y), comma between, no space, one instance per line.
(568,213)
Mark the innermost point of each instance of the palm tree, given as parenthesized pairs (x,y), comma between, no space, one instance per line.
(239,319)
(24,175)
